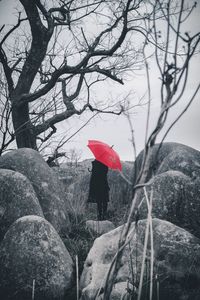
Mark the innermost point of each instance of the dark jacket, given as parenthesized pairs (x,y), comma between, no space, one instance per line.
(99,188)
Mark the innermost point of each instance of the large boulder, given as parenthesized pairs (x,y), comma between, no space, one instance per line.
(17,199)
(175,198)
(33,259)
(170,156)
(184,159)
(46,184)
(176,273)
(173,178)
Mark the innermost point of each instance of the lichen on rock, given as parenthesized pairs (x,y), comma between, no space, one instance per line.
(32,251)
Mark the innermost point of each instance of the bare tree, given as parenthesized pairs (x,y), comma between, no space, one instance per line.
(73,156)
(57,51)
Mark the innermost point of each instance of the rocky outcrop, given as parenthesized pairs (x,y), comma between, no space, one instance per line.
(47,186)
(173,178)
(176,198)
(99,227)
(17,199)
(170,156)
(32,254)
(176,263)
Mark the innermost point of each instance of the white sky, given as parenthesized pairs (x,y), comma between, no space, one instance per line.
(115,129)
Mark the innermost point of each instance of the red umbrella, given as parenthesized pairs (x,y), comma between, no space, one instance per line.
(105,154)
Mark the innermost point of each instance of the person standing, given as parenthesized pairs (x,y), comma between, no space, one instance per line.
(99,188)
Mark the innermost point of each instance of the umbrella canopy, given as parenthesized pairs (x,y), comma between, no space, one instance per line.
(105,154)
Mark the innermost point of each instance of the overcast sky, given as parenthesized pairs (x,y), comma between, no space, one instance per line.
(115,129)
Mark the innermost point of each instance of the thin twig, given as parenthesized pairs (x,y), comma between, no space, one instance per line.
(77,278)
(125,178)
(33,290)
(145,246)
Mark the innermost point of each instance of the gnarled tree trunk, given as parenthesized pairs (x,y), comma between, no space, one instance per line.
(24,131)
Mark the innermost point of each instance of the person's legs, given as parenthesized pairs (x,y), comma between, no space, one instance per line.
(104,209)
(99,209)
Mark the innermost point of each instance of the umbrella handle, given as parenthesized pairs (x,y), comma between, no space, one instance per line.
(89,170)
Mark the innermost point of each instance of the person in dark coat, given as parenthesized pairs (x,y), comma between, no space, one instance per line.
(99,188)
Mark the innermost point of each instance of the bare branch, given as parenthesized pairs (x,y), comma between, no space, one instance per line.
(77,69)
(7,69)
(54,129)
(12,29)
